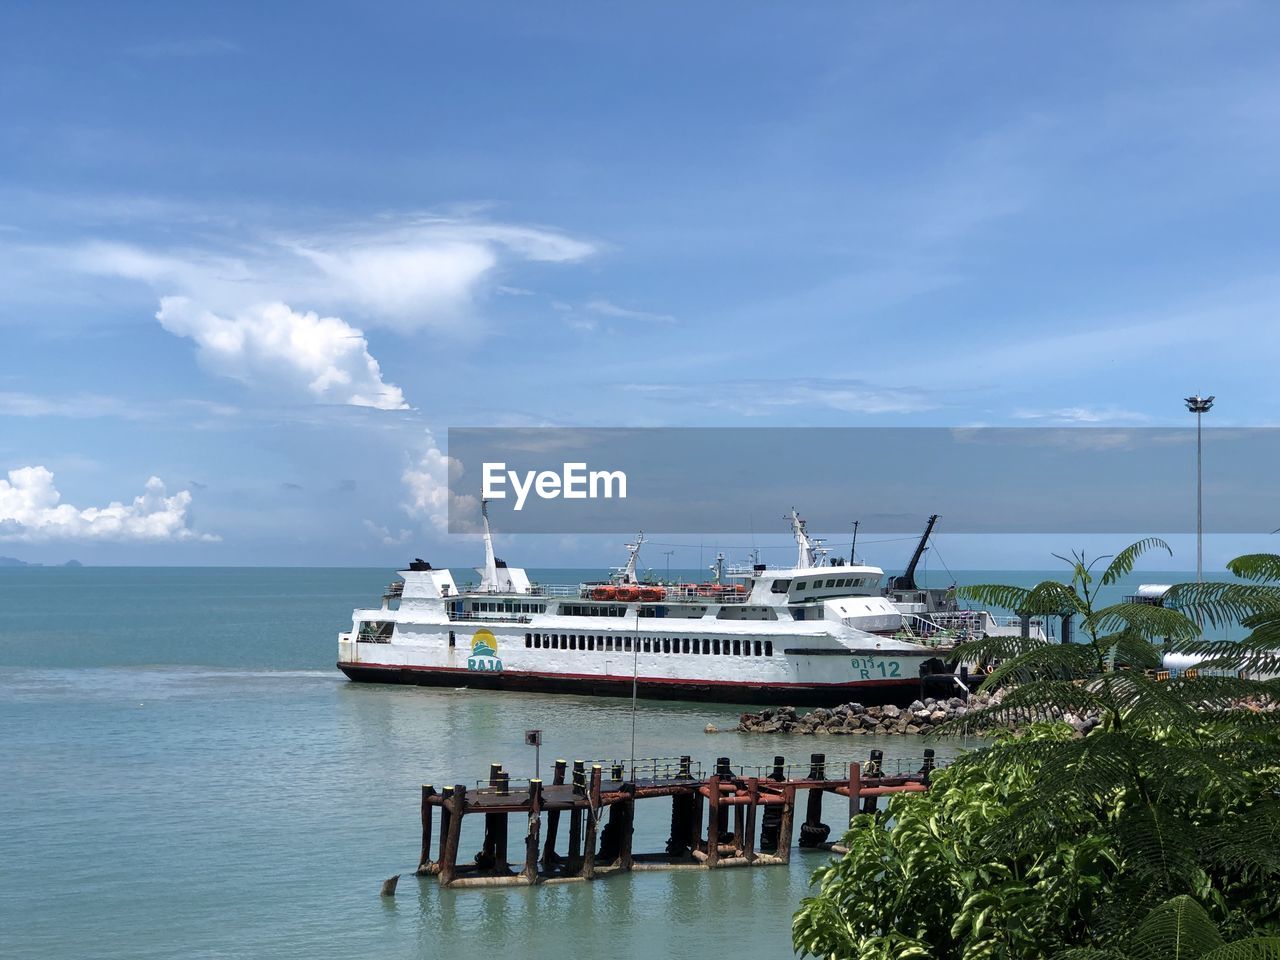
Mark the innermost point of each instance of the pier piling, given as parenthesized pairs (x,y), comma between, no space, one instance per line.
(601,802)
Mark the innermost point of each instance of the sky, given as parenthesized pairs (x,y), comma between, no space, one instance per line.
(257,259)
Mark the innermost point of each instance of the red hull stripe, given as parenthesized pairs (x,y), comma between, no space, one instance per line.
(754,684)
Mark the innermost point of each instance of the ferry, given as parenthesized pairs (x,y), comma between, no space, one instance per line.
(815,633)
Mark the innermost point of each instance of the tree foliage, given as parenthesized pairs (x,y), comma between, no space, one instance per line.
(1051,841)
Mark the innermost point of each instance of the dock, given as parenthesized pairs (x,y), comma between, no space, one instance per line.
(736,817)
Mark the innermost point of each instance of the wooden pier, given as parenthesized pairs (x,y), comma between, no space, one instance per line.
(736,817)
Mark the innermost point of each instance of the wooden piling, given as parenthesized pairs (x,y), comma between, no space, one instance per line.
(553,819)
(500,862)
(713,819)
(593,821)
(747,841)
(449,858)
(530,872)
(424,857)
(788,816)
(855,788)
(628,827)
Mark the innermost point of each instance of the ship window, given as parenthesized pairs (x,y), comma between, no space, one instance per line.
(706,645)
(646,645)
(684,645)
(831,583)
(528,639)
(555,641)
(715,646)
(800,585)
(768,648)
(573,641)
(627,644)
(591,643)
(737,648)
(537,641)
(666,645)
(757,648)
(453,641)
(781,586)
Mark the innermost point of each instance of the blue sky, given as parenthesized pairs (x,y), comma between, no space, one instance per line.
(269,253)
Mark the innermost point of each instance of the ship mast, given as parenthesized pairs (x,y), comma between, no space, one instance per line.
(629,571)
(490,580)
(808,551)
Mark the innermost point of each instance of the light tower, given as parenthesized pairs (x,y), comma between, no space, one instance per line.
(1199,406)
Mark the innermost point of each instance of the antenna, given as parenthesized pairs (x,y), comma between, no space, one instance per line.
(853,547)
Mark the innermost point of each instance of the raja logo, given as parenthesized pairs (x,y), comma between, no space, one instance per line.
(484,652)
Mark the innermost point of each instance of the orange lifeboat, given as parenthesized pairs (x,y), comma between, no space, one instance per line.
(652,593)
(603,593)
(628,593)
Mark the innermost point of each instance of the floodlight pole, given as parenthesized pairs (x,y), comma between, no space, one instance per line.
(1199,406)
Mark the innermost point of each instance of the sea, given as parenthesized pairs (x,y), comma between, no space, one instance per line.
(186,774)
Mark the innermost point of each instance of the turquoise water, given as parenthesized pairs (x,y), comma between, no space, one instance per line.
(185,774)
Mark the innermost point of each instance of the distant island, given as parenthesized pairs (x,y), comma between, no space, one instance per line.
(15,562)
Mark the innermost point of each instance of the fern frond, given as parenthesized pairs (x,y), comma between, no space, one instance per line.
(1177,930)
(1222,604)
(1256,566)
(1046,597)
(1254,948)
(1123,563)
(1146,618)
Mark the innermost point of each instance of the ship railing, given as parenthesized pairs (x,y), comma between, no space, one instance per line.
(554,590)
(473,617)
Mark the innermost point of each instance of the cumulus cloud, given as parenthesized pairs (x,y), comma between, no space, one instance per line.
(31,511)
(325,357)
(428,484)
(271,309)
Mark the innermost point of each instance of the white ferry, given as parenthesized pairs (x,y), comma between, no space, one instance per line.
(810,634)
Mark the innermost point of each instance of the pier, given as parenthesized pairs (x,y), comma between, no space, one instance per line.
(580,826)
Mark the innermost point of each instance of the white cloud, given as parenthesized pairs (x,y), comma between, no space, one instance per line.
(275,345)
(31,511)
(1084,415)
(430,498)
(608,309)
(271,309)
(385,536)
(753,398)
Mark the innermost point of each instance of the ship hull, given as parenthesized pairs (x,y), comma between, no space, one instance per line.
(898,691)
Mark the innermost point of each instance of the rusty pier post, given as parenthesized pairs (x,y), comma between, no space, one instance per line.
(553,819)
(713,818)
(855,788)
(574,863)
(593,822)
(748,838)
(457,802)
(788,818)
(530,871)
(500,862)
(722,822)
(424,858)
